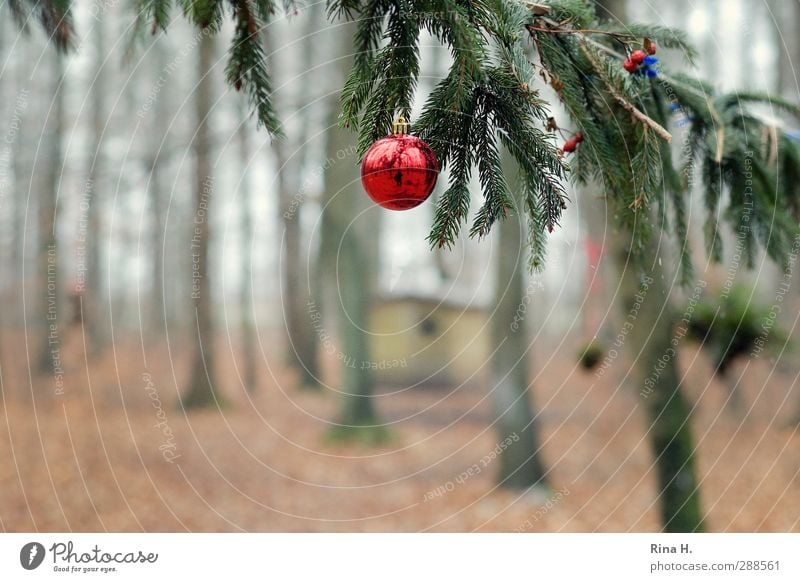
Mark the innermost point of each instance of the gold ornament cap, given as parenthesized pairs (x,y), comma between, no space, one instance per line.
(400,126)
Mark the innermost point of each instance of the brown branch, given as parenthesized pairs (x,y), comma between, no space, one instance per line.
(648,121)
(616,35)
(538,9)
(772,133)
(720,131)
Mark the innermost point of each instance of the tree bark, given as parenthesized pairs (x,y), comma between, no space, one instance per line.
(655,371)
(348,265)
(23,170)
(302,347)
(787,19)
(92,303)
(650,341)
(48,280)
(158,199)
(248,332)
(520,461)
(201,391)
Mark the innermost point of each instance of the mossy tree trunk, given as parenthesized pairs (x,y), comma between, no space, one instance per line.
(658,382)
(521,466)
(201,391)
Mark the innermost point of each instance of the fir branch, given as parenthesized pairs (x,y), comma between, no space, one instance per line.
(668,38)
(582,102)
(19,13)
(247,65)
(674,189)
(760,98)
(156,12)
(206,14)
(537,240)
(629,107)
(453,206)
(646,166)
(54,16)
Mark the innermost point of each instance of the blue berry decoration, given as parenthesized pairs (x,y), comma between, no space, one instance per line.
(648,64)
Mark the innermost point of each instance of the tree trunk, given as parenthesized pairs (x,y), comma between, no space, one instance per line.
(787,20)
(655,370)
(158,312)
(31,179)
(302,347)
(248,332)
(48,287)
(520,462)
(596,220)
(158,198)
(787,17)
(91,290)
(201,390)
(7,112)
(345,254)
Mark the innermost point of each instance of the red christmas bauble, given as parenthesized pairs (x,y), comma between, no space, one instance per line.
(399,171)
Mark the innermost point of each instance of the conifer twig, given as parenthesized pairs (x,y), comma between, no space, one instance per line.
(627,105)
(673,81)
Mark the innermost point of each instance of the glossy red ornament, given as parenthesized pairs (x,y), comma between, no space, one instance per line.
(638,57)
(399,171)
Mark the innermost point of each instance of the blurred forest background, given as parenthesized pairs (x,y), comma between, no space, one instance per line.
(175,337)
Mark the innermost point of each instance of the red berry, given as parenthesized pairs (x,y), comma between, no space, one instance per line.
(579,137)
(570,145)
(629,66)
(638,57)
(652,47)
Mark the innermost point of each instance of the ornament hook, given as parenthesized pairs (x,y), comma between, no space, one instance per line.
(400,125)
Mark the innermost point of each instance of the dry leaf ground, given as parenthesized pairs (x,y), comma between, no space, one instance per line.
(94,457)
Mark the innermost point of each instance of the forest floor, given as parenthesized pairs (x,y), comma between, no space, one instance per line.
(113,452)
